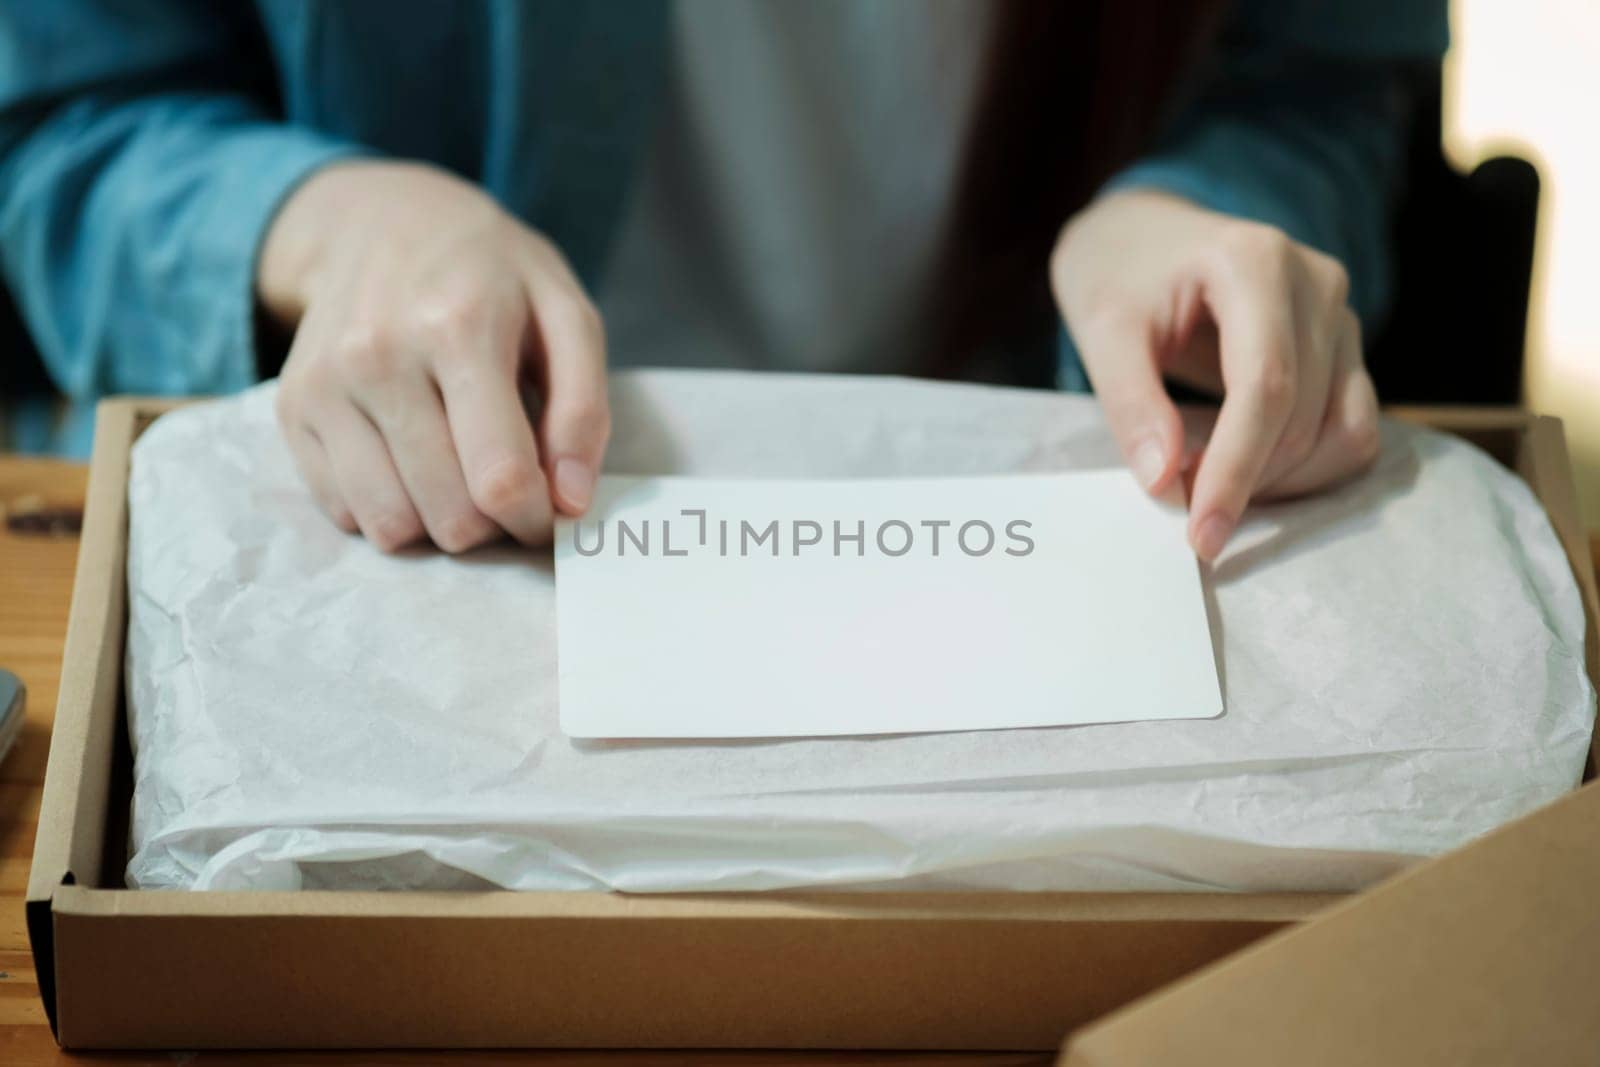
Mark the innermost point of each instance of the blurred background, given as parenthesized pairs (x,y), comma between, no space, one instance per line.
(1523,79)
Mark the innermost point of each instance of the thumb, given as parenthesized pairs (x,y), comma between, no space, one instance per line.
(1122,367)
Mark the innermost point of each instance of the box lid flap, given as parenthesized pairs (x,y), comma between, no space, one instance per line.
(1490,954)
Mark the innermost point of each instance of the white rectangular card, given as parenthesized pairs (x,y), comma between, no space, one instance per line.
(690,607)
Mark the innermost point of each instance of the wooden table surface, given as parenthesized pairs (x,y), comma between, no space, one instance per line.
(35,586)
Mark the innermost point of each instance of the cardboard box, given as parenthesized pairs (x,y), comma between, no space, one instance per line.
(125,968)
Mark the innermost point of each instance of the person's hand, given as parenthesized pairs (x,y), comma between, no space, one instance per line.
(427,322)
(1154,287)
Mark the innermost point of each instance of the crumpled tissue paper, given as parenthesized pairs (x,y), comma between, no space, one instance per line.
(1401,663)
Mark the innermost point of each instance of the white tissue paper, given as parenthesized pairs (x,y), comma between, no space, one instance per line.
(1401,662)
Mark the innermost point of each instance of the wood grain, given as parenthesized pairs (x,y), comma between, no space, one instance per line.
(35,587)
(35,584)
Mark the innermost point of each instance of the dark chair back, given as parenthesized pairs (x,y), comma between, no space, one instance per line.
(1463,266)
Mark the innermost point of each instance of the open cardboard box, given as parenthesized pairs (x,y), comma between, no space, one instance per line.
(1494,946)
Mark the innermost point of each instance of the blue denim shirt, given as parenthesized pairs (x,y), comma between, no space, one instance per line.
(145,144)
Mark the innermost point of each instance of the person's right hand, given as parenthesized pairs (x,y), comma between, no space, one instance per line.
(447,375)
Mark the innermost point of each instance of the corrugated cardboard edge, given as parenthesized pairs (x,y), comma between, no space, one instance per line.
(72,812)
(1487,955)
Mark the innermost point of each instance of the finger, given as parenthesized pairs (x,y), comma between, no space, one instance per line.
(1348,440)
(366,479)
(575,416)
(411,417)
(494,438)
(1317,326)
(1120,361)
(1250,301)
(312,460)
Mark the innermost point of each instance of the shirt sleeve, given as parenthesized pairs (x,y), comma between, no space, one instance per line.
(138,172)
(1301,122)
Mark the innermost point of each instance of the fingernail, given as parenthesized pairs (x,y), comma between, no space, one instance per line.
(1212,535)
(1149,463)
(574,482)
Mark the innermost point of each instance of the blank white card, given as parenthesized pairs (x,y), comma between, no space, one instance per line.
(690,607)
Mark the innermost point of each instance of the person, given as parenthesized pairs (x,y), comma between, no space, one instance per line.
(449,216)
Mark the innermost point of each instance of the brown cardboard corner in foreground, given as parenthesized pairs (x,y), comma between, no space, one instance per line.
(1488,955)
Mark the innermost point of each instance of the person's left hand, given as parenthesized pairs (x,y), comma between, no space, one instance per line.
(1155,287)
